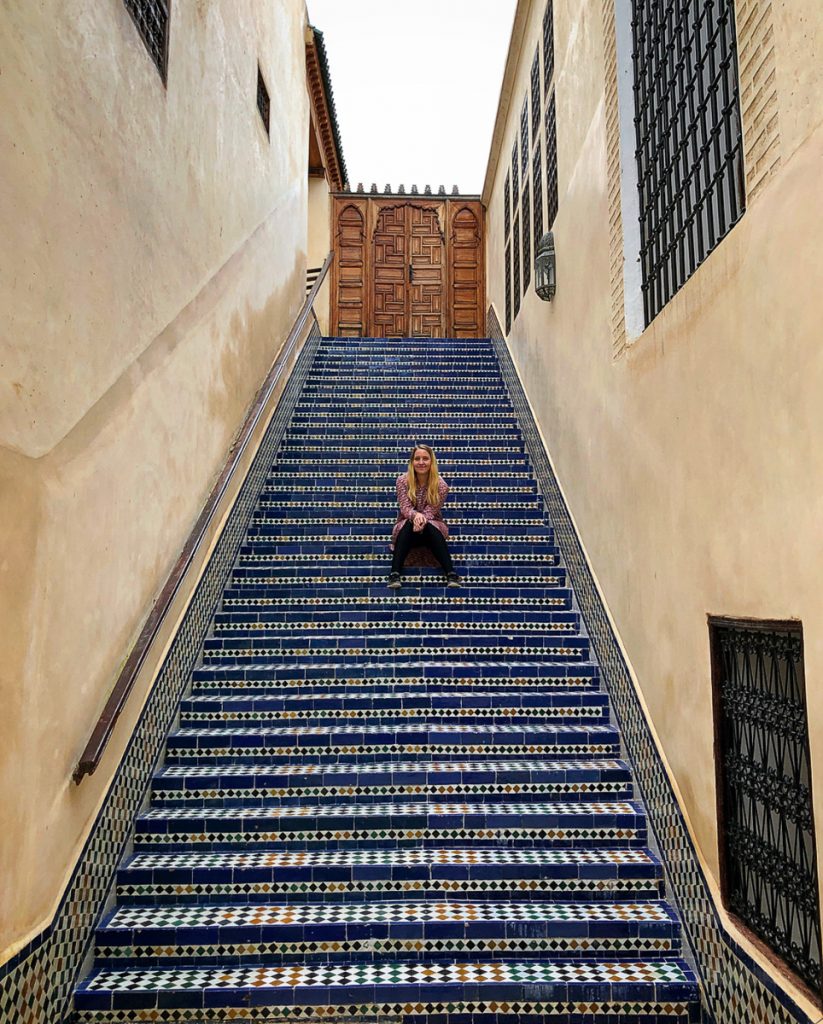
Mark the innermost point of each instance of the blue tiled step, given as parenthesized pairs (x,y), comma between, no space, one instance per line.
(322,595)
(514,579)
(367,874)
(535,989)
(271,933)
(384,511)
(268,621)
(400,702)
(378,529)
(331,825)
(367,742)
(355,433)
(337,543)
(480,780)
(333,679)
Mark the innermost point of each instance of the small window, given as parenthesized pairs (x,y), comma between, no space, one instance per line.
(537,197)
(515,175)
(152,20)
(525,220)
(535,87)
(766,826)
(548,47)
(263,99)
(508,259)
(516,275)
(524,138)
(507,207)
(551,163)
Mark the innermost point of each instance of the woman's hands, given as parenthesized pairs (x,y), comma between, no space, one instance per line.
(418,522)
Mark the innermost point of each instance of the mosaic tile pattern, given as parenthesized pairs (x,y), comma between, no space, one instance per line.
(377,805)
(36,985)
(734,987)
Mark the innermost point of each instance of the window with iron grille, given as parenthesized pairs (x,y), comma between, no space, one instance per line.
(152,20)
(263,104)
(515,175)
(689,143)
(507,207)
(767,840)
(524,138)
(516,273)
(508,288)
(548,47)
(535,89)
(526,220)
(551,163)
(537,197)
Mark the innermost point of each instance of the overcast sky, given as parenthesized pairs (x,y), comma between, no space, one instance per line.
(416,84)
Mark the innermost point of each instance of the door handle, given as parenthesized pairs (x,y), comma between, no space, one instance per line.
(411,274)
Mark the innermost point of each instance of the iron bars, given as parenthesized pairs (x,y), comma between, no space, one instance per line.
(688,135)
(769,867)
(152,20)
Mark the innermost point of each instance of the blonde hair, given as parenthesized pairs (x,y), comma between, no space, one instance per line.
(433,490)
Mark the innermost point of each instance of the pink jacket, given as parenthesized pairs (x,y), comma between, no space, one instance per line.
(409,505)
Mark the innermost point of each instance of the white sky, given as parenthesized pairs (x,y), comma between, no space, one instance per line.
(416,84)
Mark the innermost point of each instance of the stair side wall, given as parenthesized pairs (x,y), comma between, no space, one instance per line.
(154,252)
(691,455)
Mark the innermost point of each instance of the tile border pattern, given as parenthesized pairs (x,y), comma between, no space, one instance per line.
(735,988)
(37,984)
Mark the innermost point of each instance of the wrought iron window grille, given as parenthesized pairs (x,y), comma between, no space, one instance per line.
(525,220)
(766,825)
(524,139)
(689,148)
(552,200)
(263,103)
(535,90)
(508,288)
(516,272)
(507,207)
(537,196)
(548,47)
(515,176)
(151,18)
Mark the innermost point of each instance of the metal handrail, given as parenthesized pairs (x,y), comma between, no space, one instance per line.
(101,733)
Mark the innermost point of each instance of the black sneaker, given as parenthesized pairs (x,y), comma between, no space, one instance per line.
(394,581)
(453,580)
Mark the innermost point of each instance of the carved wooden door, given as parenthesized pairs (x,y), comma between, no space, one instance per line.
(407,267)
(390,272)
(466,272)
(427,268)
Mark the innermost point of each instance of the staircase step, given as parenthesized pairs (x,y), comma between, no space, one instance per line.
(272,933)
(367,743)
(348,823)
(544,987)
(366,874)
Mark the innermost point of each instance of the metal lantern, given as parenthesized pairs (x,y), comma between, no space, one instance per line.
(545,268)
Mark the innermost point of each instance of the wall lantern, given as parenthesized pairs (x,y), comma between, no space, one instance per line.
(545,268)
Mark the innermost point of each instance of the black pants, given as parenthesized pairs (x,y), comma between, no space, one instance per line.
(429,537)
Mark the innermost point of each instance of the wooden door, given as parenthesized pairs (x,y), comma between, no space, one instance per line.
(427,270)
(349,272)
(390,273)
(466,272)
(407,266)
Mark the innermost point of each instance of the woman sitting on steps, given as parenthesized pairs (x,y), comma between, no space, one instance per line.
(421,492)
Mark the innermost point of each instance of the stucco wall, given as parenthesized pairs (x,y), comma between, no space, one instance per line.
(693,463)
(319,240)
(152,259)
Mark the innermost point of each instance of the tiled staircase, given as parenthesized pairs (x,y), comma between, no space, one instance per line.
(382,804)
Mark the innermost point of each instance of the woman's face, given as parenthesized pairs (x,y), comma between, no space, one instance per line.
(422,461)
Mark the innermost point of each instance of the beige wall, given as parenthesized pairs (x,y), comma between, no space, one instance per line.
(319,241)
(152,259)
(693,463)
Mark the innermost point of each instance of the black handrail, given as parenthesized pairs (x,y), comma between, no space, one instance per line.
(90,758)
